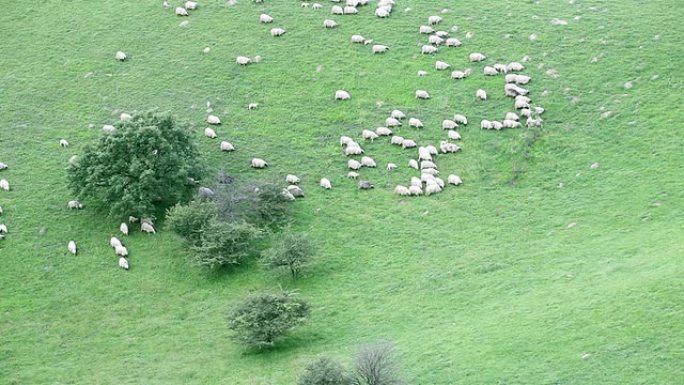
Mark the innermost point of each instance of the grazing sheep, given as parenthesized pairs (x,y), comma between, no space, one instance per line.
(3,166)
(501,68)
(428,49)
(476,56)
(391,166)
(365,185)
(124,117)
(427,164)
(497,125)
(367,161)
(325,183)
(454,179)
(353,164)
(352,175)
(123,228)
(180,11)
(396,140)
(422,94)
(337,10)
(190,5)
(402,190)
(226,146)
(448,124)
(296,191)
(485,124)
(213,119)
(252,106)
(345,140)
(121,251)
(1,210)
(147,227)
(510,78)
(383,131)
(424,154)
(358,39)
(481,94)
(432,188)
(396,114)
(490,71)
(348,10)
(521,103)
(442,33)
(416,190)
(512,116)
(453,135)
(327,23)
(416,182)
(432,20)
(441,66)
(368,134)
(539,110)
(434,39)
(392,122)
(460,119)
(316,6)
(458,75)
(453,42)
(74,205)
(422,73)
(353,150)
(73,159)
(414,122)
(515,66)
(378,48)
(275,32)
(123,263)
(526,112)
(114,242)
(205,193)
(292,179)
(382,12)
(413,163)
(408,143)
(243,60)
(108,128)
(210,133)
(532,122)
(264,18)
(448,147)
(513,90)
(132,219)
(258,163)
(509,123)
(72,247)
(522,79)
(4,184)
(426,29)
(3,229)
(431,149)
(342,95)
(305,5)
(120,56)
(63,143)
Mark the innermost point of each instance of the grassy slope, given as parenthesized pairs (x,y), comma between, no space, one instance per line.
(481,284)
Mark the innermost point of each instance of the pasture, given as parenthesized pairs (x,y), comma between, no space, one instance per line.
(537,270)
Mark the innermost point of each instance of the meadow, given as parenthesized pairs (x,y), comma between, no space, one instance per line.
(538,270)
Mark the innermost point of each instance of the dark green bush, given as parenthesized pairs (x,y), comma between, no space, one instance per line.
(291,251)
(325,371)
(190,220)
(224,244)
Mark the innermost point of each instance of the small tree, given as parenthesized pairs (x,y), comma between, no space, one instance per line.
(144,165)
(375,365)
(260,203)
(225,243)
(263,318)
(290,251)
(325,371)
(189,221)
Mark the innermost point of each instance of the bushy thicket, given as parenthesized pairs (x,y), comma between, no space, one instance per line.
(289,251)
(325,371)
(376,365)
(259,202)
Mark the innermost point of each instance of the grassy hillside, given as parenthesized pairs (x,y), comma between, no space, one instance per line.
(481,284)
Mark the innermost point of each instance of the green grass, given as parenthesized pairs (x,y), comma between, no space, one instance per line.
(482,284)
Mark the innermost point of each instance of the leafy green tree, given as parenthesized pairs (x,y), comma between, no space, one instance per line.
(224,244)
(259,202)
(291,251)
(325,371)
(143,166)
(263,318)
(190,220)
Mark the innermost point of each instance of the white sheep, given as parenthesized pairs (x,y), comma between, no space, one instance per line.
(501,68)
(147,227)
(382,12)
(432,20)
(337,10)
(422,94)
(397,140)
(413,163)
(460,119)
(327,23)
(342,95)
(73,159)
(453,42)
(497,125)
(74,205)
(515,66)
(63,143)
(367,161)
(383,131)
(532,122)
(442,33)
(415,122)
(1,210)
(485,124)
(296,191)
(397,114)
(345,140)
(509,123)
(180,11)
(510,78)
(258,163)
(402,190)
(539,110)
(490,71)
(422,73)
(353,150)
(3,166)
(124,117)
(227,146)
(316,6)
(435,40)
(431,149)
(415,190)
(427,164)
(379,48)
(243,60)
(348,10)
(448,147)
(210,133)
(426,29)
(432,188)
(408,143)
(123,263)
(287,195)
(526,112)
(448,124)
(264,18)
(108,128)
(522,79)
(358,39)
(325,183)
(3,228)
(123,228)
(416,182)
(4,184)
(114,242)
(513,90)
(305,5)
(353,164)
(392,122)
(213,119)
(521,103)
(453,135)
(440,65)
(512,116)
(424,154)
(352,175)
(481,94)
(120,56)
(292,179)
(369,135)
(190,5)
(458,75)
(275,32)
(391,166)
(71,246)
(428,49)
(476,56)
(121,251)
(454,179)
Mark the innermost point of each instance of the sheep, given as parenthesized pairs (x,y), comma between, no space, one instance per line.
(296,191)
(416,182)
(132,219)
(414,122)
(210,133)
(74,205)
(490,71)
(515,66)
(180,11)
(432,188)
(243,60)
(378,48)
(123,228)
(367,161)
(368,134)
(205,193)
(428,49)
(123,263)
(365,185)
(458,75)
(147,227)
(424,154)
(396,114)
(497,125)
(532,122)
(526,112)
(513,90)
(501,68)
(509,123)
(434,39)
(124,117)
(353,150)
(226,146)
(383,131)
(3,229)
(422,73)
(453,42)
(448,124)
(190,5)
(396,140)
(392,122)
(408,143)
(350,10)
(481,94)
(3,166)
(114,242)
(337,10)
(413,163)
(432,150)
(402,190)
(415,190)
(63,143)
(382,12)
(510,78)
(264,18)
(73,159)
(305,5)
(258,163)
(426,29)
(352,175)
(71,246)
(453,135)
(358,39)
(345,140)
(485,124)
(512,116)
(325,183)
(427,164)
(316,6)
(460,119)
(476,56)
(454,179)
(422,94)
(521,103)
(120,56)
(442,33)
(108,128)
(439,182)
(391,166)
(353,164)
(121,251)
(446,147)
(275,32)
(327,23)
(292,179)
(539,110)
(1,210)
(432,20)
(213,119)
(522,79)
(342,95)
(4,184)
(441,66)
